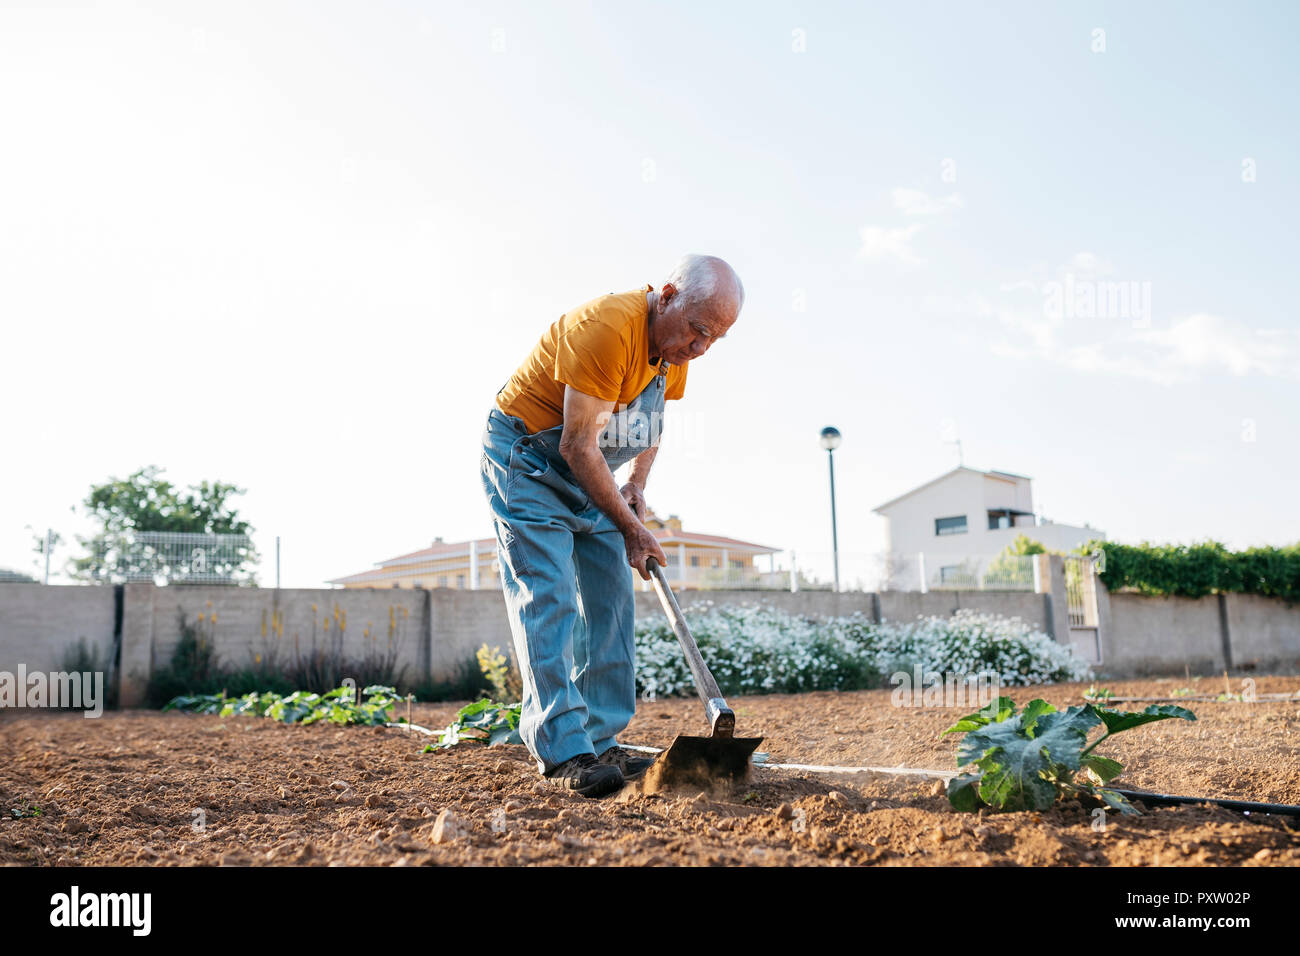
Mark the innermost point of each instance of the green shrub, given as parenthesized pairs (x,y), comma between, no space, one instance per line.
(1196,570)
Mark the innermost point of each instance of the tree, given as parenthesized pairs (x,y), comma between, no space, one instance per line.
(142,520)
(1008,570)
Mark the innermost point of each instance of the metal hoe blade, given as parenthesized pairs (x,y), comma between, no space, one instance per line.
(703,761)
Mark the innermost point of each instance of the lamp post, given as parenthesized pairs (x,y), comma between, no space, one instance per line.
(830,441)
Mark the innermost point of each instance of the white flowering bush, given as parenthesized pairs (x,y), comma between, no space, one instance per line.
(755,650)
(973,641)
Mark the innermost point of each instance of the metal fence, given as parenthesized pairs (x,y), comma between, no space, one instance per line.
(160,557)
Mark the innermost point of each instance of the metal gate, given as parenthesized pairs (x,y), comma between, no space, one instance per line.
(1081,606)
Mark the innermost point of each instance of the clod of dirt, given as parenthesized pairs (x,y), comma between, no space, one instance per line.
(784,812)
(837,798)
(448,827)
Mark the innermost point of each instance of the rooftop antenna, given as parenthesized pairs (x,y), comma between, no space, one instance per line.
(961,459)
(948,427)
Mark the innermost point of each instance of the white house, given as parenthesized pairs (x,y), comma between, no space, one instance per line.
(953,526)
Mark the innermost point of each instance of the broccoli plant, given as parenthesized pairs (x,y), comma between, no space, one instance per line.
(1027,760)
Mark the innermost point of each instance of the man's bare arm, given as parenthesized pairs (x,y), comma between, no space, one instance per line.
(634,491)
(585,417)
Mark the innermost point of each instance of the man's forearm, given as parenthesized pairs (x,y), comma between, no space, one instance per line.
(593,474)
(640,472)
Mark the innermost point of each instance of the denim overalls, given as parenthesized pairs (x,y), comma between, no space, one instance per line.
(567,584)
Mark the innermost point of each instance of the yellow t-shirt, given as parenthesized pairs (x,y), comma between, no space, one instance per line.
(601,348)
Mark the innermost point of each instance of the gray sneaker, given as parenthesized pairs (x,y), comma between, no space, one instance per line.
(583,774)
(632,765)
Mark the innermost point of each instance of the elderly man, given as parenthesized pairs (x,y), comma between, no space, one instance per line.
(588,399)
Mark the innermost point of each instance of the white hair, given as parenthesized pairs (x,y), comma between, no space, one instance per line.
(699,279)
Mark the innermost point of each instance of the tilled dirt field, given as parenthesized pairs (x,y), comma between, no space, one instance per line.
(149,788)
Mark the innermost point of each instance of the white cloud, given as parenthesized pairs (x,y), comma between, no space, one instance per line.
(915,202)
(1209,342)
(882,243)
(1131,344)
(1187,348)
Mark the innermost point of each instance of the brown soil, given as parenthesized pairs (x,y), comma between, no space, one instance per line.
(123,789)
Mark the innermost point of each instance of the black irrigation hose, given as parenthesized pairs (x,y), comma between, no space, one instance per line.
(1244,806)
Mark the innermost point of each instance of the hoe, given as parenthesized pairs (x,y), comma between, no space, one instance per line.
(700,761)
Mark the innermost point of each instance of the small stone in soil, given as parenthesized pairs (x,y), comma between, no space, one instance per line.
(448,827)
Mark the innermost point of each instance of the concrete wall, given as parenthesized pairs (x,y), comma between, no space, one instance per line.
(1262,632)
(909,605)
(1143,636)
(39,623)
(1154,635)
(437,631)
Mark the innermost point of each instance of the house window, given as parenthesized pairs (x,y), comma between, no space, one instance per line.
(695,560)
(460,580)
(717,563)
(950,525)
(1003,519)
(672,559)
(738,563)
(442,581)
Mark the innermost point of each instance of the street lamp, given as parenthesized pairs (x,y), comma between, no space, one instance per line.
(831,441)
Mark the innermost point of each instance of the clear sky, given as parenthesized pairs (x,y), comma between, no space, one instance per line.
(299,246)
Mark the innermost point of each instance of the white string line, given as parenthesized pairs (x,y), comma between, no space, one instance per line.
(760,760)
(416,727)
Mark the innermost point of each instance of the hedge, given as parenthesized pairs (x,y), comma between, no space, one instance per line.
(1195,570)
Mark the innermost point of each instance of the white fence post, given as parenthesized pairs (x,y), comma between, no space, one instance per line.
(794,574)
(920,563)
(473,565)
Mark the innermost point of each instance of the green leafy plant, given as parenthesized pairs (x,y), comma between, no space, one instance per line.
(18,813)
(1207,567)
(338,706)
(483,722)
(1009,569)
(1027,760)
